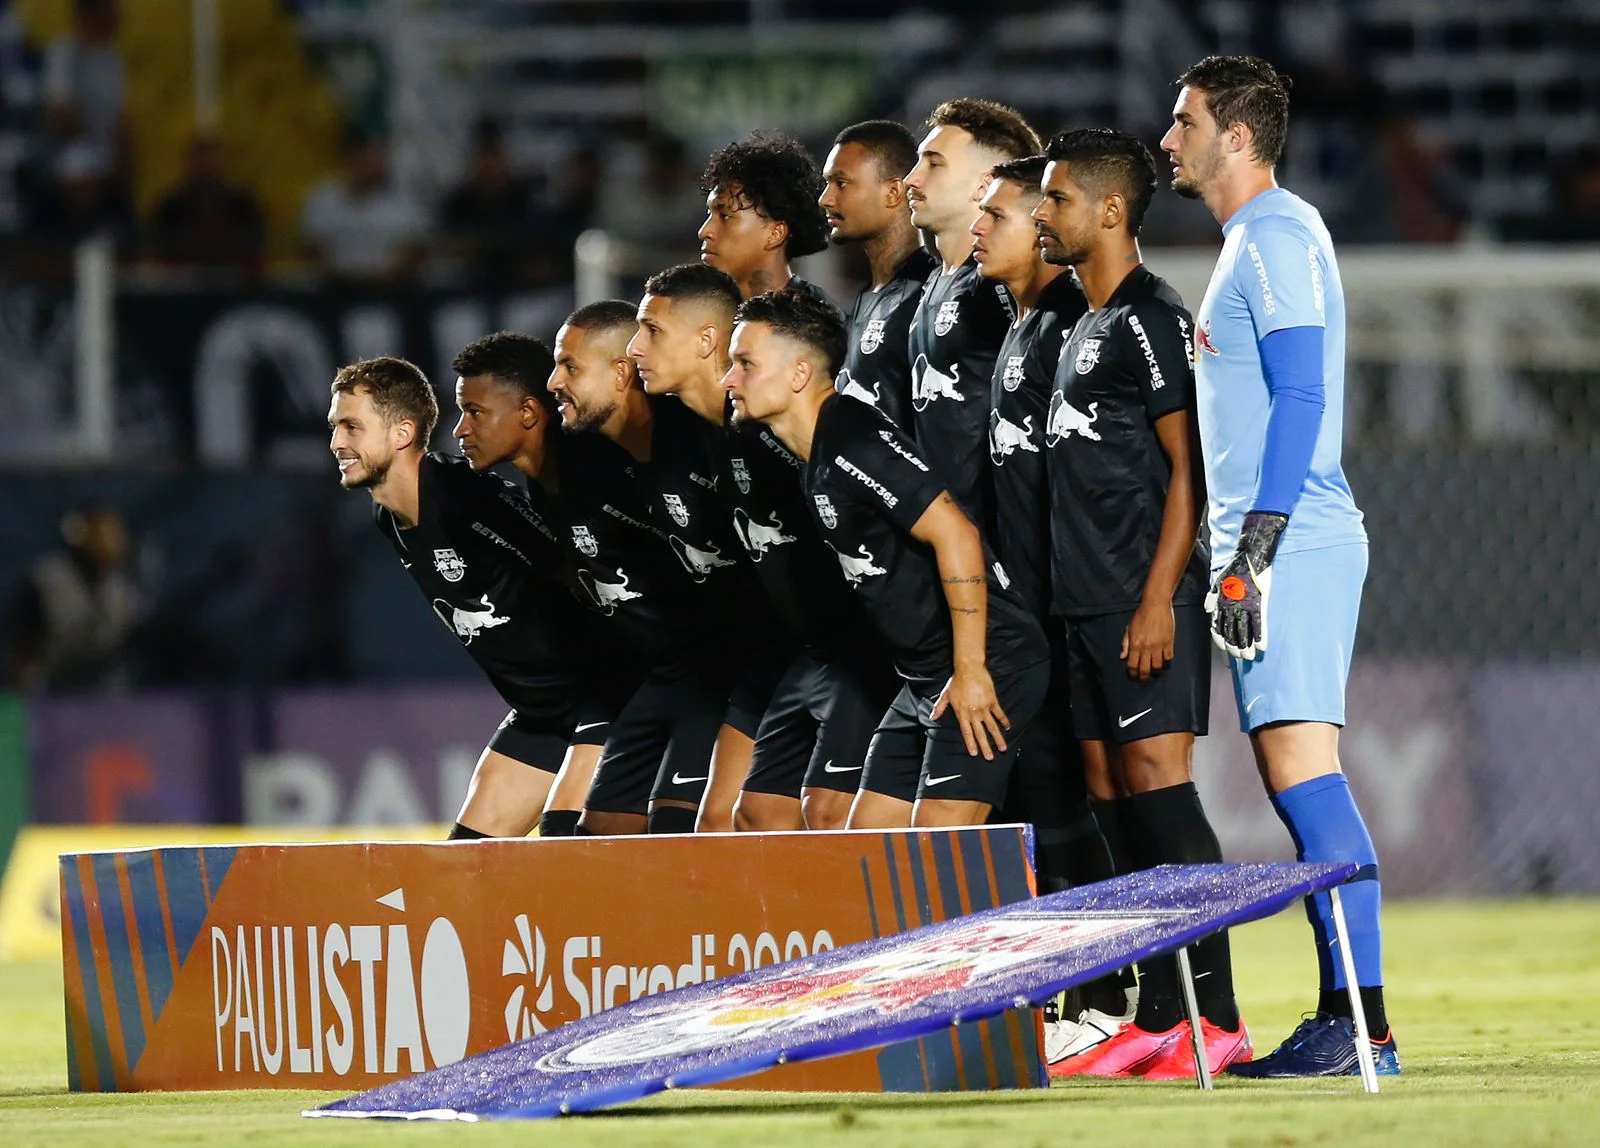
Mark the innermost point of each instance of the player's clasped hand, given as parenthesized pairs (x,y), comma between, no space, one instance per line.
(1237,602)
(971,694)
(1147,642)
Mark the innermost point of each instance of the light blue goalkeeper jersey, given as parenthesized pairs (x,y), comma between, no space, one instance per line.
(1277,270)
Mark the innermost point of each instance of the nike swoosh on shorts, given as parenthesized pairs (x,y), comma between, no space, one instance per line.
(1125,722)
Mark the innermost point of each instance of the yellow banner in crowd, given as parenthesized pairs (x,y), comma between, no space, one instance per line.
(30,895)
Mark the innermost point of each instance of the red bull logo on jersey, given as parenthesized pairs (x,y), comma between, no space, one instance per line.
(858,566)
(1066,420)
(468,624)
(846,384)
(741,474)
(947,318)
(1202,340)
(1088,356)
(1011,377)
(759,537)
(676,508)
(607,595)
(699,563)
(583,538)
(1006,436)
(872,336)
(449,565)
(825,510)
(929,383)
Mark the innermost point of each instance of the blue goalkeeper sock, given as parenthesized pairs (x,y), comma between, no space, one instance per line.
(1322,817)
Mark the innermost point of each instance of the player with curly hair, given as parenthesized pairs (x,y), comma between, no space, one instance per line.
(762,212)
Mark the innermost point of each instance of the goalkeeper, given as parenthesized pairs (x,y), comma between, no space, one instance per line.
(1289,551)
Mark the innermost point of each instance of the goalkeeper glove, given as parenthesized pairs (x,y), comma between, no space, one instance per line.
(1237,602)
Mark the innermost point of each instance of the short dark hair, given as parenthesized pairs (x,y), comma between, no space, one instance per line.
(892,146)
(803,316)
(695,282)
(521,362)
(399,391)
(1027,172)
(605,315)
(991,125)
(778,177)
(1246,90)
(1104,161)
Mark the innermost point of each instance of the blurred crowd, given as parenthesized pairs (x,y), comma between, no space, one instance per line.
(64,137)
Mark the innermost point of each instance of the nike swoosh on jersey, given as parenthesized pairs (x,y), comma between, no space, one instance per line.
(589,725)
(1125,722)
(678,779)
(829,767)
(941,780)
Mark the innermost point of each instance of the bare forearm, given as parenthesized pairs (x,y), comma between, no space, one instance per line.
(1180,523)
(1180,518)
(966,592)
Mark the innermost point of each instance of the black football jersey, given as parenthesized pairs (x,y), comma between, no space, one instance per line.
(961,320)
(868,486)
(765,490)
(877,367)
(488,563)
(688,458)
(1122,368)
(1019,402)
(624,567)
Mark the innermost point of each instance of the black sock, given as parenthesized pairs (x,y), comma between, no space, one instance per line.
(1073,853)
(1112,819)
(1336,1002)
(583,831)
(1171,827)
(1160,993)
(671,819)
(559,822)
(459,832)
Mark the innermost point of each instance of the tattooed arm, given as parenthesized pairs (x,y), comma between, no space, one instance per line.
(970,691)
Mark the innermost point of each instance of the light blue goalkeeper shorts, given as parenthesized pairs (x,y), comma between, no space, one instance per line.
(1312,611)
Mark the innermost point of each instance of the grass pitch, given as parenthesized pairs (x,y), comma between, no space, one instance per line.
(1497,1009)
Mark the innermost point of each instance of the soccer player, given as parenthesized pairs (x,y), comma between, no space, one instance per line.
(487,562)
(1129,568)
(865,202)
(791,752)
(648,572)
(974,663)
(761,212)
(681,349)
(508,415)
(961,319)
(1048,787)
(1287,539)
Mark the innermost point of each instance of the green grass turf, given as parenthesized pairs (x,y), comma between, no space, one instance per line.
(1497,1007)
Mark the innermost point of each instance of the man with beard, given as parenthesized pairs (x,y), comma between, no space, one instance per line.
(655,765)
(1129,573)
(1285,528)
